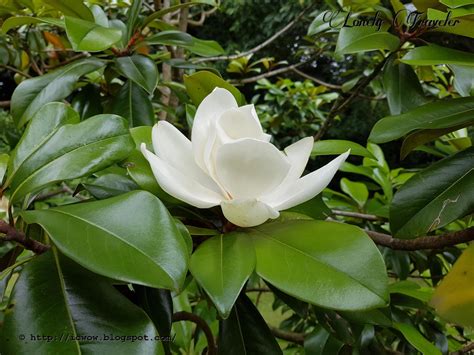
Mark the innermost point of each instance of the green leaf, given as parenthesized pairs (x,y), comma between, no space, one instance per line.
(411,289)
(110,185)
(4,159)
(364,39)
(67,151)
(314,208)
(89,36)
(201,84)
(439,114)
(321,342)
(356,190)
(33,93)
(132,17)
(403,88)
(339,146)
(204,48)
(75,8)
(414,337)
(433,55)
(221,265)
(134,104)
(434,197)
(314,261)
(246,332)
(56,298)
(87,102)
(140,69)
(463,79)
(170,38)
(16,21)
(130,237)
(456,3)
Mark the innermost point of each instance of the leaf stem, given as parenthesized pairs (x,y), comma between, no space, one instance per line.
(11,234)
(200,323)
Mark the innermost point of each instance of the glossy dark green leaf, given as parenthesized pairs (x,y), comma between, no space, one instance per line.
(434,197)
(356,190)
(110,185)
(439,114)
(134,104)
(130,237)
(140,69)
(17,21)
(33,93)
(336,325)
(403,88)
(204,48)
(88,102)
(132,17)
(339,146)
(221,266)
(314,208)
(321,342)
(170,38)
(56,298)
(157,303)
(4,159)
(67,151)
(433,54)
(363,39)
(246,332)
(415,338)
(75,8)
(314,261)
(90,36)
(373,316)
(201,84)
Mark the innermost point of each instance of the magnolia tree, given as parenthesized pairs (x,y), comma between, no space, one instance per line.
(150,207)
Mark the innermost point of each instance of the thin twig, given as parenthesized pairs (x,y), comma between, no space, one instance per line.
(200,323)
(422,243)
(468,349)
(5,104)
(258,289)
(257,48)
(368,217)
(297,338)
(267,74)
(15,70)
(11,234)
(67,61)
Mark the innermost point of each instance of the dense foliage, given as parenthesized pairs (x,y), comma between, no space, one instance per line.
(95,255)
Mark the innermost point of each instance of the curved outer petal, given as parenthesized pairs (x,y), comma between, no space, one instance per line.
(210,109)
(247,212)
(306,187)
(180,185)
(175,149)
(238,123)
(249,168)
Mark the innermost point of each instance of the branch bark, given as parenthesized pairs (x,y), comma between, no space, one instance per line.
(11,234)
(367,217)
(267,74)
(200,323)
(297,338)
(423,243)
(257,48)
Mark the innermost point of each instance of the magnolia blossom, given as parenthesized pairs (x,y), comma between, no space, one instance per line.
(230,162)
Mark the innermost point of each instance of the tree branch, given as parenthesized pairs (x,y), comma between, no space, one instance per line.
(297,338)
(200,323)
(465,350)
(267,74)
(339,105)
(11,234)
(257,48)
(26,75)
(368,217)
(422,243)
(5,104)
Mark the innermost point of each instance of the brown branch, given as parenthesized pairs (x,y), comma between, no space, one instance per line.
(11,234)
(200,323)
(341,104)
(422,243)
(297,338)
(468,349)
(267,74)
(5,104)
(368,217)
(67,61)
(15,70)
(257,48)
(258,289)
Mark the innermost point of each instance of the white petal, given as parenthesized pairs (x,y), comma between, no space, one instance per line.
(298,155)
(210,109)
(248,212)
(180,185)
(241,122)
(250,168)
(308,186)
(176,150)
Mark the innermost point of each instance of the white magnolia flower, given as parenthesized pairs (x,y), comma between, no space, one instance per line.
(230,162)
